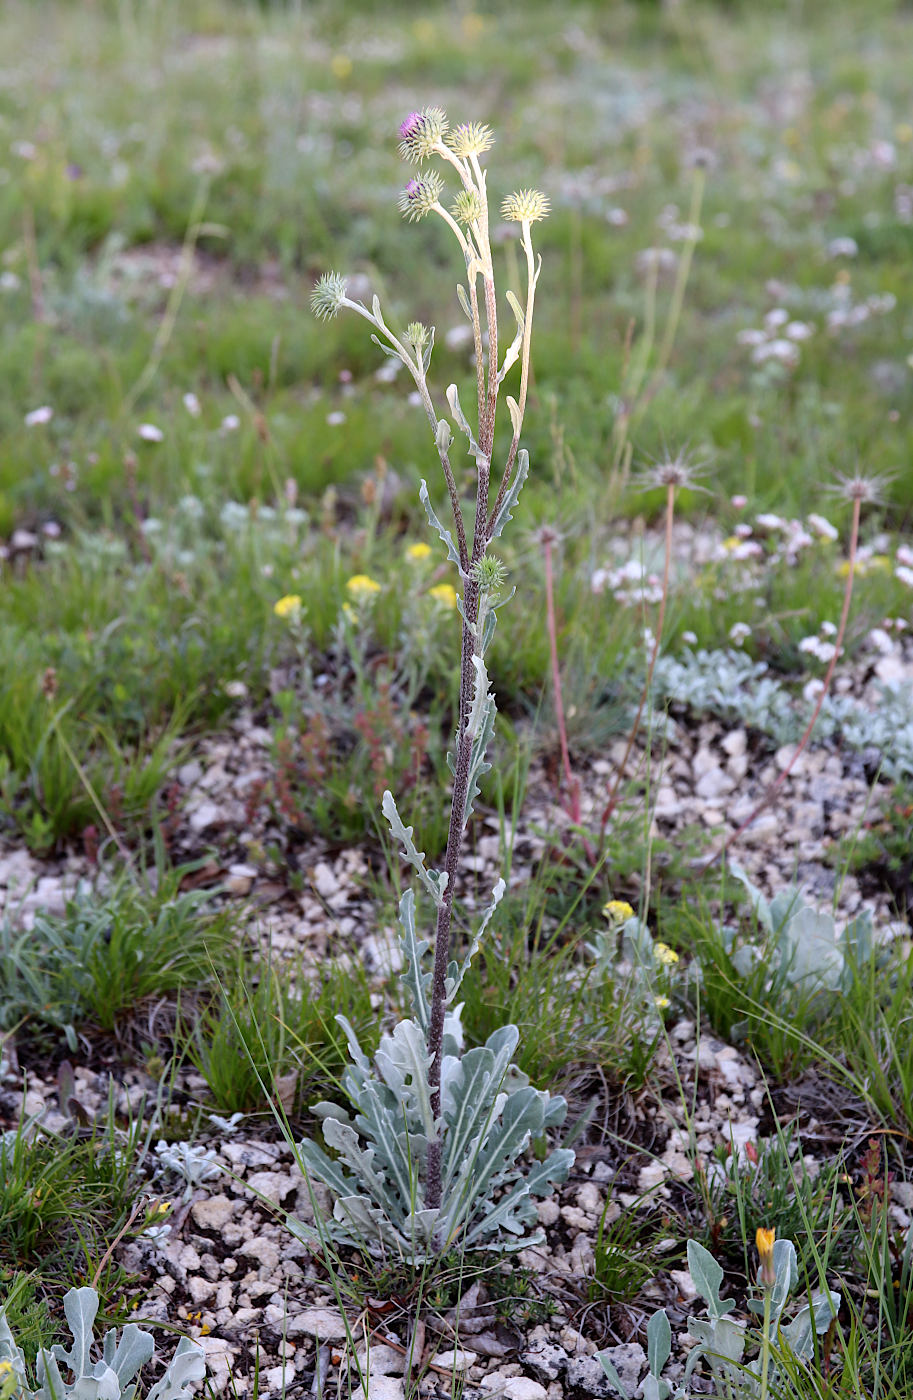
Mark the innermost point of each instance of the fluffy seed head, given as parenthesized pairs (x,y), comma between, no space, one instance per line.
(467,207)
(421,132)
(674,469)
(470,139)
(327,296)
(421,195)
(859,487)
(525,207)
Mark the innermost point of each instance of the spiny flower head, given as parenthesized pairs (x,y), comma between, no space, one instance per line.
(467,207)
(470,139)
(525,207)
(421,195)
(421,132)
(489,573)
(417,335)
(327,296)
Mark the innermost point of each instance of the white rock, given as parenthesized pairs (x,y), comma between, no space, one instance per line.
(263,1250)
(380,1387)
(274,1186)
(213,1212)
(381,1360)
(454,1360)
(200,1289)
(514,1387)
(735,743)
(684,1283)
(629,1361)
(206,815)
(324,1323)
(278,1377)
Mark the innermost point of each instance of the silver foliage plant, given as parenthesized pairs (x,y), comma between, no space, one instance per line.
(431,1155)
(74,1375)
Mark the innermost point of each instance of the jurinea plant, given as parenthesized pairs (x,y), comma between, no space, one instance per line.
(445,1130)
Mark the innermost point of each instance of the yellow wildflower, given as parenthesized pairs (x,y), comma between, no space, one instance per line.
(416,553)
(664,954)
(661,1002)
(289,606)
(444,593)
(617,911)
(731,542)
(764,1243)
(350,614)
(361,587)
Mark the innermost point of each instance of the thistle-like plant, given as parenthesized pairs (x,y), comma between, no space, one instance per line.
(445,1129)
(111,1377)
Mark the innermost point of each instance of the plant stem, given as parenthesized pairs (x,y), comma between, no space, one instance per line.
(775,786)
(572,807)
(648,681)
(765,1345)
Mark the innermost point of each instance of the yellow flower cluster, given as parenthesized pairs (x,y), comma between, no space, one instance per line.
(289,606)
(362,588)
(665,955)
(445,594)
(617,911)
(417,553)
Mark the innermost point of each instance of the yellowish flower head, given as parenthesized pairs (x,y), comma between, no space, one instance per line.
(764,1243)
(664,954)
(361,588)
(525,207)
(416,553)
(661,1003)
(445,594)
(617,911)
(289,606)
(350,614)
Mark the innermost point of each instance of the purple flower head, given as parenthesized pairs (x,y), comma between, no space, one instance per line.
(421,195)
(410,125)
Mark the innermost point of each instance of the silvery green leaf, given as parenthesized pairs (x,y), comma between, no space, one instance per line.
(416,980)
(426,353)
(404,1064)
(365,1224)
(453,400)
(477,763)
(443,535)
(187,1368)
(659,1341)
(80,1306)
(758,902)
(786,1273)
(375,310)
(655,1388)
(50,1381)
(463,299)
(614,1378)
(316,1163)
(810,951)
(817,1318)
(468,1105)
(456,972)
(361,1161)
(134,1349)
(434,883)
(516,417)
(390,350)
(708,1276)
(323,1109)
(510,500)
(443,437)
(358,1056)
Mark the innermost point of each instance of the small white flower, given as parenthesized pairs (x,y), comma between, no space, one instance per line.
(842,248)
(815,646)
(336,418)
(150,433)
(822,527)
(881,641)
(739,633)
(230,423)
(776,318)
(799,330)
(689,638)
(9,282)
(904,574)
(39,416)
(768,521)
(192,405)
(751,336)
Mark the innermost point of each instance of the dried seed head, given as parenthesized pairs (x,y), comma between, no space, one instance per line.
(328,295)
(677,470)
(525,207)
(421,195)
(467,207)
(859,487)
(470,139)
(421,132)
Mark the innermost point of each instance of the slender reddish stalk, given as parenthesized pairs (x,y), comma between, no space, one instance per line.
(648,681)
(572,804)
(778,782)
